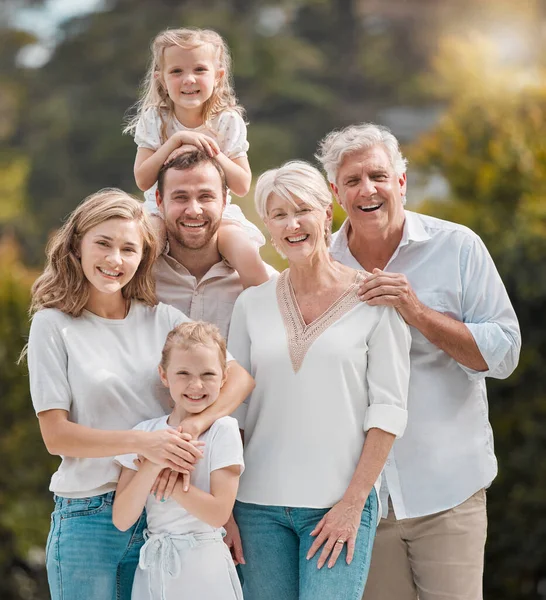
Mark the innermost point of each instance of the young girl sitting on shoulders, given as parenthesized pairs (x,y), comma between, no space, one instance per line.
(184,555)
(188,102)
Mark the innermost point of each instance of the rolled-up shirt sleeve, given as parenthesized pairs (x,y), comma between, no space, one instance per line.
(388,374)
(239,346)
(488,314)
(48,365)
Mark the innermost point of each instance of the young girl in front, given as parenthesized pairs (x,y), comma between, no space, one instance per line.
(187,103)
(184,555)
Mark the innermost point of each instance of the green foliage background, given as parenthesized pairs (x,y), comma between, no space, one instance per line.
(302,68)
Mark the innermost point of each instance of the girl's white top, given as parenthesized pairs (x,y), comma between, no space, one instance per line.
(104,373)
(223,447)
(319,389)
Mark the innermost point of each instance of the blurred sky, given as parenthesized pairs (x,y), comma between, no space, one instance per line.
(44,22)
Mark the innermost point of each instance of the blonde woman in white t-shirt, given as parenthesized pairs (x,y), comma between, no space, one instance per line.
(95,342)
(332,378)
(184,556)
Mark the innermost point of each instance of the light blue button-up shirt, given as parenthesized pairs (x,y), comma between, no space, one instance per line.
(447,453)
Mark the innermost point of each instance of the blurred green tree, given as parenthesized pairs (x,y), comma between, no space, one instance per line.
(25,502)
(490,146)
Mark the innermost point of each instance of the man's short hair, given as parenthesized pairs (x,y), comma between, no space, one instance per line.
(189,160)
(338,144)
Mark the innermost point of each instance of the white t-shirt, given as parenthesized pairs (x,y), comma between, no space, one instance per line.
(104,373)
(319,388)
(223,447)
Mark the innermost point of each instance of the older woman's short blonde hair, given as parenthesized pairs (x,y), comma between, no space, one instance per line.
(63,284)
(295,180)
(339,143)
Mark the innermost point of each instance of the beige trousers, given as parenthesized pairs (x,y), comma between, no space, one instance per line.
(437,557)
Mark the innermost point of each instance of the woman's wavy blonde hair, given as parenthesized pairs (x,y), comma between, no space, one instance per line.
(63,284)
(154,94)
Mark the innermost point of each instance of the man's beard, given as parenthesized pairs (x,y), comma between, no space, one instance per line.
(176,234)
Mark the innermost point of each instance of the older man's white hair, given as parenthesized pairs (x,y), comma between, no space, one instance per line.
(338,144)
(295,180)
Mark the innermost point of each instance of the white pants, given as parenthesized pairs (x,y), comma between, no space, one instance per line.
(193,566)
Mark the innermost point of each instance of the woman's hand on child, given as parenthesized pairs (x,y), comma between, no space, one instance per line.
(172,449)
(165,482)
(199,141)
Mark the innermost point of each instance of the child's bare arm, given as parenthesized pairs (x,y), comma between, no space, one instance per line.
(214,508)
(238,173)
(149,162)
(242,253)
(132,492)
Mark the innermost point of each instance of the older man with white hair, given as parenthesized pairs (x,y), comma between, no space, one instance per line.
(442,280)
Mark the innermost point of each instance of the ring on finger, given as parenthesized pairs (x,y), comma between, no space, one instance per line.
(340,541)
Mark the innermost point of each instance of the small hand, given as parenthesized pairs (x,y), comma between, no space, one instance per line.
(233,541)
(339,524)
(181,150)
(200,141)
(164,484)
(391,289)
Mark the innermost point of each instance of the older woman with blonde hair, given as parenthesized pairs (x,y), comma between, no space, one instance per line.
(95,344)
(331,384)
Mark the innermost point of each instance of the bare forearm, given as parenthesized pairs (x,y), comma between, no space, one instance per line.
(79,441)
(237,177)
(451,336)
(377,445)
(206,507)
(146,173)
(130,501)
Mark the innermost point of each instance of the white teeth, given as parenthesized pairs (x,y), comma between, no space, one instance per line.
(195,397)
(109,273)
(369,208)
(193,224)
(299,238)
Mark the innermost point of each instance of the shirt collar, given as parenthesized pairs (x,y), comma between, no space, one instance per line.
(219,269)
(413,231)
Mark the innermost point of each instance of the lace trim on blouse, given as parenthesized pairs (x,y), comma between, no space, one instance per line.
(300,336)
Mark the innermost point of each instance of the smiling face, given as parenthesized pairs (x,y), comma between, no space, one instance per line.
(110,254)
(370,191)
(192,204)
(189,74)
(194,376)
(297,229)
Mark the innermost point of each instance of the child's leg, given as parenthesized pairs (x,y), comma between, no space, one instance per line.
(158,225)
(241,253)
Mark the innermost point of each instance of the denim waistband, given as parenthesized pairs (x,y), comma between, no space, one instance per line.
(62,501)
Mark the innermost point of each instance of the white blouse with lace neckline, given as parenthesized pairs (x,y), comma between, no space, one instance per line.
(300,335)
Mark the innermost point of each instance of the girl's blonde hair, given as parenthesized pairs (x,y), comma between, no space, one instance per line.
(63,284)
(154,93)
(191,334)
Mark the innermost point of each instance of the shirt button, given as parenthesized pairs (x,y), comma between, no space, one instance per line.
(388,463)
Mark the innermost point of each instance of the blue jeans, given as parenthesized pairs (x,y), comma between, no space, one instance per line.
(275,543)
(87,558)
